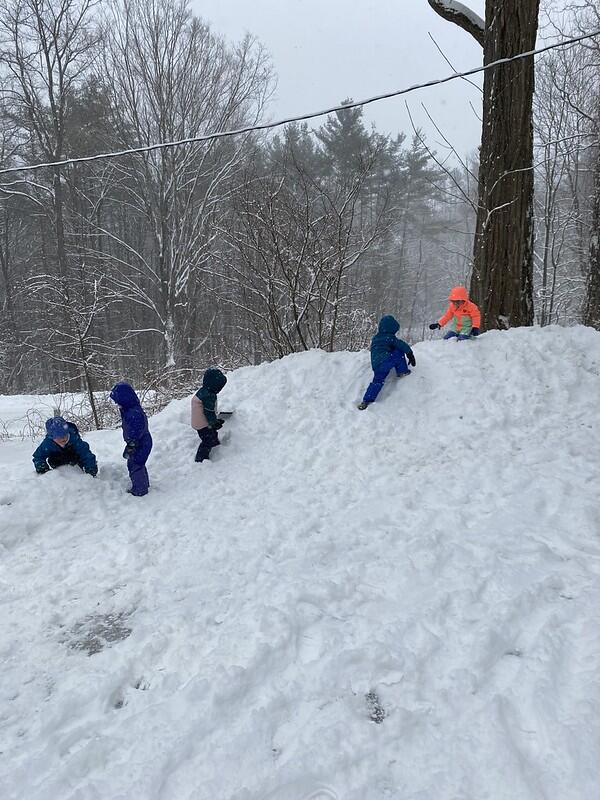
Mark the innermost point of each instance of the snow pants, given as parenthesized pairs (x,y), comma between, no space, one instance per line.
(397,361)
(466,325)
(136,465)
(459,336)
(209,438)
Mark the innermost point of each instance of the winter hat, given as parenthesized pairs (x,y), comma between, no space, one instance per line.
(213,380)
(458,293)
(57,428)
(388,324)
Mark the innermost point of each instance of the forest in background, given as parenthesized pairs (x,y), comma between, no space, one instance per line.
(233,251)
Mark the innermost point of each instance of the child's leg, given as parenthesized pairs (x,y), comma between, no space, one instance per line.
(376,385)
(209,438)
(400,364)
(451,335)
(139,477)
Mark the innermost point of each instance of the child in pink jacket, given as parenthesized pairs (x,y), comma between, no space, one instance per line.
(465,316)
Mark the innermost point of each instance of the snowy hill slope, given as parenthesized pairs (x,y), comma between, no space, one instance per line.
(432,562)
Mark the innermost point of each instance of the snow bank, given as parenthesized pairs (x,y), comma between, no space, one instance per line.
(397,603)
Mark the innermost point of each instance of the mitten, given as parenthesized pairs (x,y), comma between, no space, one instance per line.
(129,450)
(411,359)
(435,326)
(474,331)
(217,425)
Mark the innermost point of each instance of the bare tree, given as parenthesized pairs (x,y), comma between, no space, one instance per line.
(46,47)
(171,78)
(292,270)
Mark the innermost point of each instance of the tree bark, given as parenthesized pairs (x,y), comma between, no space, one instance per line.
(502,278)
(592,300)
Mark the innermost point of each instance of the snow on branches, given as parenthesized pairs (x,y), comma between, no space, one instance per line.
(461,15)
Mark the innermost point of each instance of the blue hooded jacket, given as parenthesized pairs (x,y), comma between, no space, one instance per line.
(76,447)
(212,383)
(133,418)
(384,343)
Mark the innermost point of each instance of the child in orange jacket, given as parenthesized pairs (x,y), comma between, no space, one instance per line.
(465,316)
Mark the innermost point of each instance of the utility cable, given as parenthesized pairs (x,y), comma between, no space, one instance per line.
(302,117)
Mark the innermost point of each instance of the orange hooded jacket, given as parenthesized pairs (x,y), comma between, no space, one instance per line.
(466,315)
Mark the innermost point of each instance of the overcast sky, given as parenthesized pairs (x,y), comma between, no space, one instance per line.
(326,50)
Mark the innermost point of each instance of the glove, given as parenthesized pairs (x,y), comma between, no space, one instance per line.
(435,326)
(411,359)
(217,425)
(129,450)
(474,331)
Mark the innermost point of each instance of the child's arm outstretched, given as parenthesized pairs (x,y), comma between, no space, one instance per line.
(405,348)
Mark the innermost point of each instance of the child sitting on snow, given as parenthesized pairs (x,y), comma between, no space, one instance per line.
(63,445)
(204,412)
(465,316)
(387,352)
(138,442)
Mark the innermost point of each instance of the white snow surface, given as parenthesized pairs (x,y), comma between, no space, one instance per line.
(440,550)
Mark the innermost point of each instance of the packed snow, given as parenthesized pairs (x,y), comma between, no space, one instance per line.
(402,602)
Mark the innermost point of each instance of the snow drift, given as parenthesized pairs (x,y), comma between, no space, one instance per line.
(397,603)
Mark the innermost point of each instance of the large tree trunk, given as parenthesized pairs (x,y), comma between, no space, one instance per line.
(502,279)
(591,314)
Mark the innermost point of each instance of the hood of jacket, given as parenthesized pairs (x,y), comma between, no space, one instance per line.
(124,395)
(388,324)
(213,380)
(458,293)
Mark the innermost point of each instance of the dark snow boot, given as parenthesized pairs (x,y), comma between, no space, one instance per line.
(362,406)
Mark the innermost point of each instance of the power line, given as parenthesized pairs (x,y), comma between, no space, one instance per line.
(302,117)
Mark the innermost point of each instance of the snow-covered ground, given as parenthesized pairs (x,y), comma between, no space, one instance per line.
(432,563)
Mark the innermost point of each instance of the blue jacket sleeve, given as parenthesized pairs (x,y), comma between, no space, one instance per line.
(403,346)
(39,458)
(85,455)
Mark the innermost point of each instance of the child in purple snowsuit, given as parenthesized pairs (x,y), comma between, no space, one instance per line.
(138,442)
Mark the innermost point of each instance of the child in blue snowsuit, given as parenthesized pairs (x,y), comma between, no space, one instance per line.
(138,442)
(387,352)
(63,445)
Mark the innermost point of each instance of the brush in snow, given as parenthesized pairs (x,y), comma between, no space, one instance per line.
(374,707)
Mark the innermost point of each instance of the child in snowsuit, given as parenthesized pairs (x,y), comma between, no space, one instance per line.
(138,442)
(387,352)
(465,316)
(63,445)
(204,412)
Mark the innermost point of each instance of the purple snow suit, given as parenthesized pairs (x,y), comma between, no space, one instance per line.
(138,442)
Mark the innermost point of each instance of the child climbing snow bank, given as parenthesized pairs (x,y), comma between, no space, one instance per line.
(387,352)
(204,412)
(465,316)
